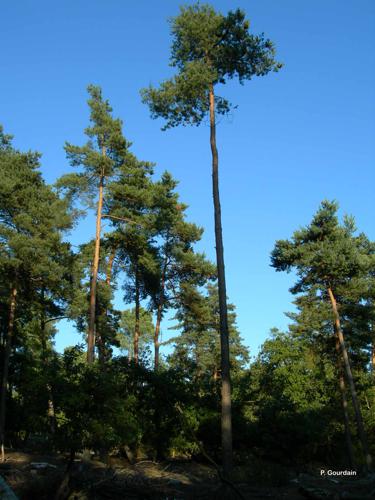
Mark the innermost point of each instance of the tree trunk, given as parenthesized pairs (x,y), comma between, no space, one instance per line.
(51,411)
(156,337)
(344,402)
(4,378)
(136,329)
(101,347)
(43,322)
(158,316)
(226,403)
(349,376)
(94,277)
(110,265)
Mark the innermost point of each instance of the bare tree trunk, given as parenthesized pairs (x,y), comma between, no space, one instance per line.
(43,322)
(349,376)
(344,402)
(51,411)
(94,277)
(136,329)
(110,265)
(4,378)
(156,336)
(158,317)
(101,347)
(226,401)
(372,353)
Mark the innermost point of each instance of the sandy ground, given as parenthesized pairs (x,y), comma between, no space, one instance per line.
(33,476)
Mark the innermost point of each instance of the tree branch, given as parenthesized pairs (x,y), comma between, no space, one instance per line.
(125,219)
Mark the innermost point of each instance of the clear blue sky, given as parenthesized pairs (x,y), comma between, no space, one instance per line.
(298,136)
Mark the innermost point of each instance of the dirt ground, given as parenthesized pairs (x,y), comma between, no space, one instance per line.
(33,476)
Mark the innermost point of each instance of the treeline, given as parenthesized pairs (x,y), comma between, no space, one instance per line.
(309,394)
(293,403)
(147,250)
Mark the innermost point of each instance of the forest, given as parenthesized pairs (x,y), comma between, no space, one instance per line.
(127,414)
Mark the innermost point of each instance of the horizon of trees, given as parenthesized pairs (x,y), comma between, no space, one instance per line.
(312,386)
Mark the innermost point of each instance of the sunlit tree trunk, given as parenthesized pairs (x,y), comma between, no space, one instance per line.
(344,402)
(50,405)
(159,316)
(349,376)
(156,336)
(136,328)
(226,403)
(110,265)
(4,378)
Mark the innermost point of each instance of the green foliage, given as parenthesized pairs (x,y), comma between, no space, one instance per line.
(293,396)
(285,404)
(178,263)
(324,253)
(207,48)
(197,349)
(126,331)
(33,256)
(100,158)
(32,216)
(332,261)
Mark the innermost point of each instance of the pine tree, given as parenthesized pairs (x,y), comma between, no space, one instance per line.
(291,388)
(140,259)
(197,349)
(33,258)
(208,49)
(127,328)
(129,210)
(333,263)
(106,316)
(178,263)
(101,159)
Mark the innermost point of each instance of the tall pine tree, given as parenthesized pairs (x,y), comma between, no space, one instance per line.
(101,158)
(209,49)
(334,264)
(33,258)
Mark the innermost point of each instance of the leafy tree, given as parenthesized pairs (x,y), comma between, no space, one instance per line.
(106,317)
(127,328)
(209,49)
(33,258)
(313,322)
(101,159)
(95,409)
(140,280)
(333,263)
(198,347)
(129,209)
(292,395)
(107,320)
(178,263)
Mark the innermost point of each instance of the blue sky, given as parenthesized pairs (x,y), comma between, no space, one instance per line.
(297,136)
